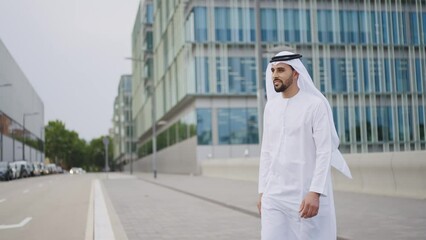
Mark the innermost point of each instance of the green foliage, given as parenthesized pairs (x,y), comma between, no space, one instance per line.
(65,148)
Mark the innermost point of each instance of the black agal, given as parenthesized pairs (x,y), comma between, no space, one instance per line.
(285,58)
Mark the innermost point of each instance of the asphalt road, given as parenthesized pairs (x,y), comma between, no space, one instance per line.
(45,207)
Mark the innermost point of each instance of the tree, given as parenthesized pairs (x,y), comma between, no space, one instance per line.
(96,154)
(66,149)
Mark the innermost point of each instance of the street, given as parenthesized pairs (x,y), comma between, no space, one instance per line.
(46,207)
(130,207)
(124,207)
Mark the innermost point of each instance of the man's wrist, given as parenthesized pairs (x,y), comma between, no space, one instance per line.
(317,194)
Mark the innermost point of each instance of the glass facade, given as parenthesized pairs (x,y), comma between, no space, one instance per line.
(204,126)
(123,143)
(14,130)
(183,129)
(237,126)
(334,26)
(368,59)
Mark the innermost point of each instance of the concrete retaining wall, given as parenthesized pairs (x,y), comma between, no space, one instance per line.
(177,159)
(392,174)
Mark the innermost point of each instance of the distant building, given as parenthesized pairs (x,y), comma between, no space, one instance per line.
(367,57)
(21,114)
(122,132)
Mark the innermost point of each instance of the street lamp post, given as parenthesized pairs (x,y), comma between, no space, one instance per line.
(106,142)
(260,81)
(154,131)
(24,132)
(132,154)
(151,91)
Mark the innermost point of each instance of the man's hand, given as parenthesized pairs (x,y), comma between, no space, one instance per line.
(259,204)
(310,205)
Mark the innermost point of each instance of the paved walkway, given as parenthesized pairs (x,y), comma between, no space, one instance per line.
(195,207)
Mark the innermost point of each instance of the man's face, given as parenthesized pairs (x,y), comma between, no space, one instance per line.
(282,76)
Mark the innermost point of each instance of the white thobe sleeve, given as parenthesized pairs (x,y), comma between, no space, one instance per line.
(322,139)
(265,153)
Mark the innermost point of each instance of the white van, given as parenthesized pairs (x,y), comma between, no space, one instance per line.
(22,169)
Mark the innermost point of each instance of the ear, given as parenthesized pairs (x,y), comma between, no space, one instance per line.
(296,74)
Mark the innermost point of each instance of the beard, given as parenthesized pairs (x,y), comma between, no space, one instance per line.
(282,87)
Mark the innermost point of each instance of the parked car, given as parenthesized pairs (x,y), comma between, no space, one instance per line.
(22,168)
(34,169)
(59,169)
(51,167)
(6,171)
(77,170)
(43,169)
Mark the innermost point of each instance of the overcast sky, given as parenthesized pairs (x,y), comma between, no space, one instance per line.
(72,52)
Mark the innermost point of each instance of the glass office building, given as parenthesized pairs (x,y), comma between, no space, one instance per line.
(367,57)
(21,114)
(122,134)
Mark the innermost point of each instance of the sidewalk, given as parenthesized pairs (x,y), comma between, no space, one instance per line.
(359,216)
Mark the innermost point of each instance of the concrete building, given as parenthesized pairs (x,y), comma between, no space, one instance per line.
(21,114)
(122,132)
(367,57)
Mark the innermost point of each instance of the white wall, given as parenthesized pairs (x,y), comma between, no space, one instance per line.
(179,159)
(393,174)
(16,100)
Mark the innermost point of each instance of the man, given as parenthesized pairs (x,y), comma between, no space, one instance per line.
(299,145)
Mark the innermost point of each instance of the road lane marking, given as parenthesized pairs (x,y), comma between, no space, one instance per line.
(21,224)
(2,200)
(102,222)
(25,191)
(89,224)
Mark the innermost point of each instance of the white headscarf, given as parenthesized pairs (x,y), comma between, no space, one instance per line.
(306,84)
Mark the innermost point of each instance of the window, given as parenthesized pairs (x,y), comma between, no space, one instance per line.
(402,75)
(384,124)
(325,26)
(354,75)
(421,122)
(336,119)
(385,27)
(222,24)
(238,75)
(200,24)
(268,22)
(238,126)
(149,41)
(388,79)
(357,125)
(292,25)
(401,123)
(366,70)
(414,28)
(149,14)
(347,128)
(368,124)
(376,69)
(202,75)
(204,126)
(338,75)
(419,77)
(322,74)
